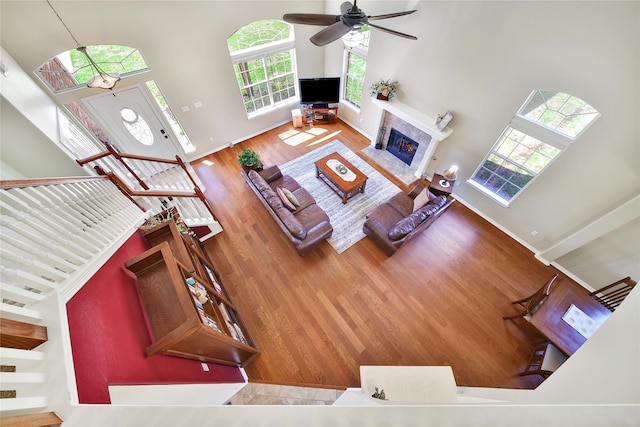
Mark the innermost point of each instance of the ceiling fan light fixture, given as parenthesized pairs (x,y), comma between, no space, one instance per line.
(353,38)
(345,25)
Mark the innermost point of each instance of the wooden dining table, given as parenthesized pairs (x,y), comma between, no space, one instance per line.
(548,319)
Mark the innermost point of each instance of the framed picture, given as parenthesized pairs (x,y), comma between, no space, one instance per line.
(444,121)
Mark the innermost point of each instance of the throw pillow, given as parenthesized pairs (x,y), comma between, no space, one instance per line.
(433,206)
(406,225)
(293,199)
(421,199)
(285,200)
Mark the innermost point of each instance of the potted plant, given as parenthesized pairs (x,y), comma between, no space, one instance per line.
(384,89)
(249,159)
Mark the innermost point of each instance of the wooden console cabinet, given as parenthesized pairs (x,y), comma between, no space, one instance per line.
(326,115)
(188,310)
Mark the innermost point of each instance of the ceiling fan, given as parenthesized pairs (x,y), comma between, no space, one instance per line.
(352,18)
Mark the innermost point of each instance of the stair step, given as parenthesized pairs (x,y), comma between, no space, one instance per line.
(44,419)
(20,404)
(16,355)
(7,378)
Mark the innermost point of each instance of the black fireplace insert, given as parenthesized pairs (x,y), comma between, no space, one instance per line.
(402,146)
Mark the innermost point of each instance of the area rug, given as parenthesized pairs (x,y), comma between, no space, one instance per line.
(346,219)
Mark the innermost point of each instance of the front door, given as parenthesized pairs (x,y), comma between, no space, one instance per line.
(133,123)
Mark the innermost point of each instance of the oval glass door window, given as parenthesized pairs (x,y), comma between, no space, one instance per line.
(137,126)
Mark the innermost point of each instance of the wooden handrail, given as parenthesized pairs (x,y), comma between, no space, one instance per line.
(184,168)
(8,184)
(93,158)
(119,156)
(130,193)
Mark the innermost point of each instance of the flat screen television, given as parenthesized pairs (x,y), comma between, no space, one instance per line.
(321,90)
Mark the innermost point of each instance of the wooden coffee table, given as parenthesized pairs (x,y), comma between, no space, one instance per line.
(338,182)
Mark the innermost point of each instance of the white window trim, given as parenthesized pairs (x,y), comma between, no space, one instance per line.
(360,51)
(535,130)
(262,51)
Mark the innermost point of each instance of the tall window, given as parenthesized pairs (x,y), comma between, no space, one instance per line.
(355,67)
(263,58)
(544,126)
(71,69)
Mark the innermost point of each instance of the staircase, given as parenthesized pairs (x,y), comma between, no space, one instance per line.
(157,184)
(55,234)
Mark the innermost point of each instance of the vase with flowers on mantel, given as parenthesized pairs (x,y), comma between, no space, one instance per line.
(384,89)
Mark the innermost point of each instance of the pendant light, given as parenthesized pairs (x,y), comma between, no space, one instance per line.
(101,79)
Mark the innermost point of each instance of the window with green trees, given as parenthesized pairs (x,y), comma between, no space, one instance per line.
(544,126)
(263,58)
(354,69)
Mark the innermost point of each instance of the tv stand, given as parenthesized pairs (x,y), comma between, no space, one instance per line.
(319,113)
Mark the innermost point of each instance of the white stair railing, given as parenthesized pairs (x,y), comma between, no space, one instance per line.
(54,235)
(157,184)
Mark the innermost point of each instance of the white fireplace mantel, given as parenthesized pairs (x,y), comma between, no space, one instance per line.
(415,118)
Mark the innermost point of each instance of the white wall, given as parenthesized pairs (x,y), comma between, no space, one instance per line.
(612,255)
(29,128)
(482,59)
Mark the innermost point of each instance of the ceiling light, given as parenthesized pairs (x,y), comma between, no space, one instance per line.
(353,38)
(101,79)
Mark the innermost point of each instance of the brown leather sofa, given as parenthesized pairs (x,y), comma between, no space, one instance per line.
(306,224)
(396,221)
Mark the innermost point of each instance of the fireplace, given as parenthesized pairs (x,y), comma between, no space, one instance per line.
(402,146)
(416,129)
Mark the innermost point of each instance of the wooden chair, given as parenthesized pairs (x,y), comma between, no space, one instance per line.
(533,302)
(612,295)
(546,358)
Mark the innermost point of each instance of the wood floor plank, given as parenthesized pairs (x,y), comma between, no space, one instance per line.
(438,301)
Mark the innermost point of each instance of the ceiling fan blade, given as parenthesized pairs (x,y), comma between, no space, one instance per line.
(394,32)
(310,19)
(391,15)
(331,33)
(345,7)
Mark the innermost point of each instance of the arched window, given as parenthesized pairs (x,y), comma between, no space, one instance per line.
(263,58)
(71,69)
(542,128)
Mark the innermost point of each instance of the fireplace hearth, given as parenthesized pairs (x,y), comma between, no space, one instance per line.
(401,146)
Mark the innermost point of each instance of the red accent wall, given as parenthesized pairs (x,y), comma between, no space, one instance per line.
(109,336)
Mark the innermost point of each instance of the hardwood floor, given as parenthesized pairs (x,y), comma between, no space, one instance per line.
(438,301)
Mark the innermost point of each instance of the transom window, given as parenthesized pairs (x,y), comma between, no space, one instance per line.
(560,112)
(71,69)
(543,127)
(263,58)
(355,67)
